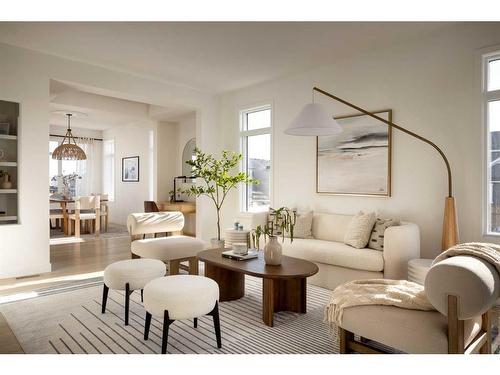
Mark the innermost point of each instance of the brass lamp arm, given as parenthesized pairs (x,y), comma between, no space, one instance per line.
(393,125)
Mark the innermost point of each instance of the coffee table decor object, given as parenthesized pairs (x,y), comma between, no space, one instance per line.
(282,221)
(250,254)
(284,287)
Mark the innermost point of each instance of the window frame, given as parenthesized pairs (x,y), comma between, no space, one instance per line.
(243,142)
(486,98)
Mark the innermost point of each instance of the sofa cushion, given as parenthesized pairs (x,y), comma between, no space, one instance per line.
(376,241)
(334,253)
(303,225)
(330,227)
(359,230)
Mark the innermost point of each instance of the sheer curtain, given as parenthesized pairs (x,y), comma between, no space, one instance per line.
(84,167)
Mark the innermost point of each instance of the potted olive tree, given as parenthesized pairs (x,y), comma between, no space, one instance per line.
(219,177)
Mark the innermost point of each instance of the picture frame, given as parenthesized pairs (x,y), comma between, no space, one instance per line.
(357,162)
(130,169)
(4,128)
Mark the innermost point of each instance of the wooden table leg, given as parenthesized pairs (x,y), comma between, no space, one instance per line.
(268,292)
(283,295)
(231,284)
(65,218)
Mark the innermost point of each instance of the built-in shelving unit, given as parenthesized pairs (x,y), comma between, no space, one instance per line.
(9,132)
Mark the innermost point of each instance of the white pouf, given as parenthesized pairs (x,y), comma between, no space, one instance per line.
(181,297)
(417,270)
(130,275)
(136,272)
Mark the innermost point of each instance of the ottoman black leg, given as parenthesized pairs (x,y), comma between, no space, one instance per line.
(142,295)
(147,325)
(127,302)
(195,322)
(215,316)
(105,291)
(166,324)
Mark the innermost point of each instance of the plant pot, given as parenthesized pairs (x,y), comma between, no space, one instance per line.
(273,252)
(217,244)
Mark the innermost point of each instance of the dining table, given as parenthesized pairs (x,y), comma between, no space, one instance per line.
(64,208)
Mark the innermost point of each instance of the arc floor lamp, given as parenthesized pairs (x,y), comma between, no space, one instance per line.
(314,120)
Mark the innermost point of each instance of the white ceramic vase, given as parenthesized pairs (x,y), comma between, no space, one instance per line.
(273,252)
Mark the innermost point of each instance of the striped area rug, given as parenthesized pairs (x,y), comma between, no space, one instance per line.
(71,322)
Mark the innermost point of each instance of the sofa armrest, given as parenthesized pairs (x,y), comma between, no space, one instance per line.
(401,243)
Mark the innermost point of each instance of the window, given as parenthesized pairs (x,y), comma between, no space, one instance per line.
(108,168)
(255,125)
(491,107)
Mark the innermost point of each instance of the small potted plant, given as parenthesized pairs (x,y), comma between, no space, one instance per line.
(6,182)
(282,221)
(219,177)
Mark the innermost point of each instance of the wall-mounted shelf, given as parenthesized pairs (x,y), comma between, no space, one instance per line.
(8,191)
(11,137)
(9,146)
(8,218)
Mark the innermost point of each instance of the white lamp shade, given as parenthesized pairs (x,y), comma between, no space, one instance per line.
(313,120)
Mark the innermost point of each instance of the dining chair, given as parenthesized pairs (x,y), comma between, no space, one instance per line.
(57,215)
(86,208)
(104,212)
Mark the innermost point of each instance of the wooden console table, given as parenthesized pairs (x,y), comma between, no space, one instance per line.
(184,207)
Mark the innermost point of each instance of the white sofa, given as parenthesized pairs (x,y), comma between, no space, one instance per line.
(338,262)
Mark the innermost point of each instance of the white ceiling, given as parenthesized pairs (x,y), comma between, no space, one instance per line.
(103,112)
(215,56)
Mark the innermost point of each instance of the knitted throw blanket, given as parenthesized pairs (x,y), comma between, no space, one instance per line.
(400,293)
(487,251)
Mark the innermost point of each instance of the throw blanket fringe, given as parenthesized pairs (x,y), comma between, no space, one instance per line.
(486,251)
(400,293)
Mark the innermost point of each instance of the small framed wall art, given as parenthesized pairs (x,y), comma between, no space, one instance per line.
(130,169)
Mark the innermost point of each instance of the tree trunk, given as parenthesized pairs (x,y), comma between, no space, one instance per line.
(218,224)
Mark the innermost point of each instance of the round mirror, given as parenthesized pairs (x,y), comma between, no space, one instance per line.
(188,154)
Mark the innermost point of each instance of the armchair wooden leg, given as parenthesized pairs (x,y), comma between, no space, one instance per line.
(173,267)
(486,326)
(77,227)
(344,338)
(193,266)
(455,328)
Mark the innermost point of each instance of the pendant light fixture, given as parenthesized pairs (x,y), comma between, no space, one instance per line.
(69,150)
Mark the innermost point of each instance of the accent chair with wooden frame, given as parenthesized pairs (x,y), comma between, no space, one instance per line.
(86,208)
(173,249)
(463,290)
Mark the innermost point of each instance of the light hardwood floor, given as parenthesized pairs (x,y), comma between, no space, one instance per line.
(72,261)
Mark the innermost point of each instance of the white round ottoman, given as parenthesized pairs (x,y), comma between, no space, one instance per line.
(181,297)
(130,275)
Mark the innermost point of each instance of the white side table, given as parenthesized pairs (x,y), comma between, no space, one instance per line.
(237,236)
(417,270)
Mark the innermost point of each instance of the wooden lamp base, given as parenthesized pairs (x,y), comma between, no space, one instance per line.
(450,226)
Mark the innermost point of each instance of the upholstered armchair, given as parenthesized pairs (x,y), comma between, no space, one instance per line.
(463,290)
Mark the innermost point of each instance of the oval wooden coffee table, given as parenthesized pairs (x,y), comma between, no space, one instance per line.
(284,287)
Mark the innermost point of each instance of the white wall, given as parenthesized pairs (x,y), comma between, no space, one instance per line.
(133,140)
(96,166)
(430,85)
(186,126)
(167,157)
(24,77)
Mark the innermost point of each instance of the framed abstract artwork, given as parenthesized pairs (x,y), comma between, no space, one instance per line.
(130,169)
(358,160)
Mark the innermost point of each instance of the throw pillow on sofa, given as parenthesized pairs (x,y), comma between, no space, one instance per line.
(303,225)
(359,230)
(376,241)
